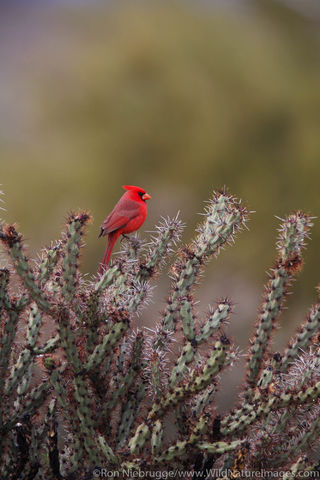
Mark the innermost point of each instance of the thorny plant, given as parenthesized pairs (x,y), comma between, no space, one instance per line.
(81,387)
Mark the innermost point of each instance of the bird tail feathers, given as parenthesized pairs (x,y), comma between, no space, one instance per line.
(112,238)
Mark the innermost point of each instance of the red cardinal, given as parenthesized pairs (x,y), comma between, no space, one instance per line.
(126,217)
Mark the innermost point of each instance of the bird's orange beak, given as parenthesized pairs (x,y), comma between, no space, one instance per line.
(146,196)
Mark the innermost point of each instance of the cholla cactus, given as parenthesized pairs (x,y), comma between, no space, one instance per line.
(87,393)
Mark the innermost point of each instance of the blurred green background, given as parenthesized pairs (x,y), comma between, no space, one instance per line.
(179,98)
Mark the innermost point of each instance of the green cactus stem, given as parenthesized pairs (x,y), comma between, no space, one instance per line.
(301,340)
(223,218)
(182,448)
(198,382)
(110,457)
(129,411)
(107,279)
(51,256)
(32,402)
(121,383)
(24,363)
(249,413)
(156,437)
(293,233)
(75,230)
(70,414)
(11,316)
(117,332)
(13,242)
(52,440)
(166,236)
(215,319)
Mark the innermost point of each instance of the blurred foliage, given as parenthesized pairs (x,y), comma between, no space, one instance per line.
(176,97)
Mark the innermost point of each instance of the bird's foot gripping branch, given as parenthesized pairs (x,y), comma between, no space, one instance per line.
(81,388)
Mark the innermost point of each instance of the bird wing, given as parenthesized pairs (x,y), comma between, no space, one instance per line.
(124,211)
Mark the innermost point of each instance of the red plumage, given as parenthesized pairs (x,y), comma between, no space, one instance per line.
(127,216)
